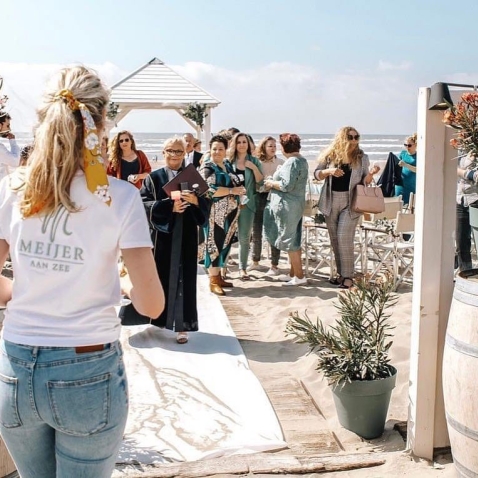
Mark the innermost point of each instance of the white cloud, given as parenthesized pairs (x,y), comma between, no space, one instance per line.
(269,99)
(387,66)
(24,84)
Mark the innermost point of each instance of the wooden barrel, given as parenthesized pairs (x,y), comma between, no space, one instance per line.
(460,382)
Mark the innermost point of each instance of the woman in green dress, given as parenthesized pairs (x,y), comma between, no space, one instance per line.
(224,193)
(283,214)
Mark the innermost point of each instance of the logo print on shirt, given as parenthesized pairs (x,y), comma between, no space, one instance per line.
(50,255)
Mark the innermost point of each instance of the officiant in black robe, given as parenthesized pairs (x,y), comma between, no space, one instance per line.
(174,225)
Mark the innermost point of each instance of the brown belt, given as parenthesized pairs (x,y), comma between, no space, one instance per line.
(89,348)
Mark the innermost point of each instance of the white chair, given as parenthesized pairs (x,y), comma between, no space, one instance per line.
(317,247)
(392,206)
(396,256)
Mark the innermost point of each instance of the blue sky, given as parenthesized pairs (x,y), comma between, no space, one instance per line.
(307,65)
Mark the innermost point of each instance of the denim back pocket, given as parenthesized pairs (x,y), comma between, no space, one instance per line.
(80,407)
(9,416)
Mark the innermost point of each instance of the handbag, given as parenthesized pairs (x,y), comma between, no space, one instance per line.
(312,195)
(368,199)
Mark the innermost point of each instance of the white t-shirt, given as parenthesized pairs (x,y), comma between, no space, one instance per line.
(66,280)
(9,160)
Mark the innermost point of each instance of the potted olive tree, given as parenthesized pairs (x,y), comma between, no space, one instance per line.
(353,354)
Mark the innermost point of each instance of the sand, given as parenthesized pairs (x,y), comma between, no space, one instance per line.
(271,302)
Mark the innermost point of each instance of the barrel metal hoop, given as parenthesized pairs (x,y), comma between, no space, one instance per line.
(465,297)
(460,428)
(464,471)
(462,347)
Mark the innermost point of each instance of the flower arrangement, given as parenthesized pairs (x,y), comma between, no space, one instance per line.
(196,113)
(112,110)
(3,103)
(463,117)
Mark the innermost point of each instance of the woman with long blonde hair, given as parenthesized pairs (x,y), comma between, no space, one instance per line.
(63,391)
(342,165)
(126,162)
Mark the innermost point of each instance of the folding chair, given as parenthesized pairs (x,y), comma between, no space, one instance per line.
(396,256)
(317,247)
(392,206)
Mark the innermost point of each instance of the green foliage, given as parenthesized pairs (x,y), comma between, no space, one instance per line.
(112,110)
(196,113)
(357,346)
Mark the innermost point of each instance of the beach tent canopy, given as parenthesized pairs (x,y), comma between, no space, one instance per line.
(156,86)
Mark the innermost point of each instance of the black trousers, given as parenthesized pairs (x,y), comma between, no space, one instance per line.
(463,237)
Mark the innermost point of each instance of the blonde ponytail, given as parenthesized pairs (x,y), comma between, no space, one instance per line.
(58,145)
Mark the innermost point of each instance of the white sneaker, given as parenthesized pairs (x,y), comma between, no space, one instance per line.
(254,267)
(283,278)
(297,281)
(273,272)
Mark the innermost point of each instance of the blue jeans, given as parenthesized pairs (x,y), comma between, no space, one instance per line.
(62,413)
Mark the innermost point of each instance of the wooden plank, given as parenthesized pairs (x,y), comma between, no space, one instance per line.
(261,463)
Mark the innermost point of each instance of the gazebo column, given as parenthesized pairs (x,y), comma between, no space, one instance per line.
(207,127)
(433,279)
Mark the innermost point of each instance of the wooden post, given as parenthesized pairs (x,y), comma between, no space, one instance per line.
(207,129)
(433,279)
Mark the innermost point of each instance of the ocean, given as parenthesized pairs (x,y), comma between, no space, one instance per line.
(375,145)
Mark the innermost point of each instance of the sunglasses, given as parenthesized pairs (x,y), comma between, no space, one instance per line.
(407,145)
(177,152)
(350,137)
(126,140)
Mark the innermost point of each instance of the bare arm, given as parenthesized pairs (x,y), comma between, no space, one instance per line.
(5,282)
(142,283)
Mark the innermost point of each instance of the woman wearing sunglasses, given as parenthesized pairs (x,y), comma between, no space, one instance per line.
(342,165)
(408,162)
(125,161)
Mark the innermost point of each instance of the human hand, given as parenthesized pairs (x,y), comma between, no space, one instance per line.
(189,197)
(180,206)
(133,178)
(268,184)
(374,170)
(402,164)
(239,191)
(249,164)
(336,172)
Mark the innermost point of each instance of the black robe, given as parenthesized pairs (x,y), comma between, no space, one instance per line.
(175,252)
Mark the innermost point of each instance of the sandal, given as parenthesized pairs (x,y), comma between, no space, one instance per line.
(244,275)
(343,285)
(336,280)
(182,338)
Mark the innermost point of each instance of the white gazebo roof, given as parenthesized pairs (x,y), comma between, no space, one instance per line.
(156,86)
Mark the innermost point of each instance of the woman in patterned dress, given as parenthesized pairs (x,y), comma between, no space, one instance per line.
(224,193)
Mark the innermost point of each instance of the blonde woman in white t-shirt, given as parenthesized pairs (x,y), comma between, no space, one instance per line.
(63,387)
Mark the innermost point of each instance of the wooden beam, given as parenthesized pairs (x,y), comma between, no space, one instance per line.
(193,125)
(260,463)
(433,280)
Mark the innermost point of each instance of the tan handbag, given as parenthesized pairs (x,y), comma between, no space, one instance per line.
(368,199)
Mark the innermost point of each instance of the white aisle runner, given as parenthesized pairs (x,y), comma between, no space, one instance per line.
(197,400)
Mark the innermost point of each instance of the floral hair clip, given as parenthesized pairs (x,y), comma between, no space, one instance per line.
(95,174)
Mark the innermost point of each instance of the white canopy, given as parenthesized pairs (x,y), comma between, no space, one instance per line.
(156,86)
